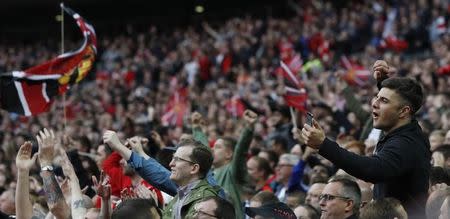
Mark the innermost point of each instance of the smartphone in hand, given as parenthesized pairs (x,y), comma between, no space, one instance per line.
(309,119)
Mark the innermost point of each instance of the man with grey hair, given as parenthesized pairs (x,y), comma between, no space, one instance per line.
(341,198)
(283,172)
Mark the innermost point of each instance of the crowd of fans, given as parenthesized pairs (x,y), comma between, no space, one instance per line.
(149,84)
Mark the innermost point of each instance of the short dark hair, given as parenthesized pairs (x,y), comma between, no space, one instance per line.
(439,175)
(444,149)
(224,208)
(298,195)
(136,209)
(263,164)
(382,208)
(409,89)
(272,155)
(280,140)
(312,212)
(349,189)
(200,155)
(265,197)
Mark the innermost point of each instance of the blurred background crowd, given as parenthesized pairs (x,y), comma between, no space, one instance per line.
(151,78)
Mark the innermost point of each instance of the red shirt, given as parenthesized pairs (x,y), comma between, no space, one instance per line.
(118,181)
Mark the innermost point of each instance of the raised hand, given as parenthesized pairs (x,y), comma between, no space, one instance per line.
(136,143)
(196,119)
(110,138)
(24,161)
(313,136)
(380,70)
(46,141)
(66,141)
(67,166)
(250,118)
(142,191)
(127,193)
(102,187)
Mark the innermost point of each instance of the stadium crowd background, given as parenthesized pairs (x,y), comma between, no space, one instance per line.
(219,58)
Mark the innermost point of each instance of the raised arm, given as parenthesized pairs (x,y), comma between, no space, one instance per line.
(55,199)
(24,162)
(239,157)
(352,104)
(149,169)
(197,133)
(211,31)
(103,189)
(295,180)
(381,71)
(110,138)
(136,143)
(77,203)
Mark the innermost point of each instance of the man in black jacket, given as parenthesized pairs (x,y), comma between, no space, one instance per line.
(400,166)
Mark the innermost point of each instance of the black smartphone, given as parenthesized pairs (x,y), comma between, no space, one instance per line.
(309,119)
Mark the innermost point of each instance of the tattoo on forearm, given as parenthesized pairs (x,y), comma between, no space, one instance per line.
(52,190)
(78,204)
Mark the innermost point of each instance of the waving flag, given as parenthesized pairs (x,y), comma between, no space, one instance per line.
(295,95)
(31,91)
(355,74)
(176,108)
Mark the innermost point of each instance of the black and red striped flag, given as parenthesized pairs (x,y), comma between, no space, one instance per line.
(31,91)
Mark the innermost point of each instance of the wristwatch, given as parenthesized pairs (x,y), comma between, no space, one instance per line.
(47,168)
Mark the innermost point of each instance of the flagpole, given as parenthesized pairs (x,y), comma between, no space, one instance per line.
(293,117)
(62,52)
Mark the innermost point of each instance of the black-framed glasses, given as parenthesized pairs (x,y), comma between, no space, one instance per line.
(200,212)
(328,197)
(176,159)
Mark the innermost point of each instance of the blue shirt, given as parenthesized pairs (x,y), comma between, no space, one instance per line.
(158,176)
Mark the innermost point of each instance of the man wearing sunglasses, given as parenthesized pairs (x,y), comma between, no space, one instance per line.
(340,199)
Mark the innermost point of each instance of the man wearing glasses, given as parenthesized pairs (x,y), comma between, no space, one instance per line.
(340,199)
(283,172)
(189,167)
(214,207)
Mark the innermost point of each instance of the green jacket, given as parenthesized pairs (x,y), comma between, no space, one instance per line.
(231,176)
(202,190)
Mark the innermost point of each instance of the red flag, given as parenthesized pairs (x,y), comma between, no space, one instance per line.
(235,106)
(176,108)
(355,74)
(31,91)
(295,94)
